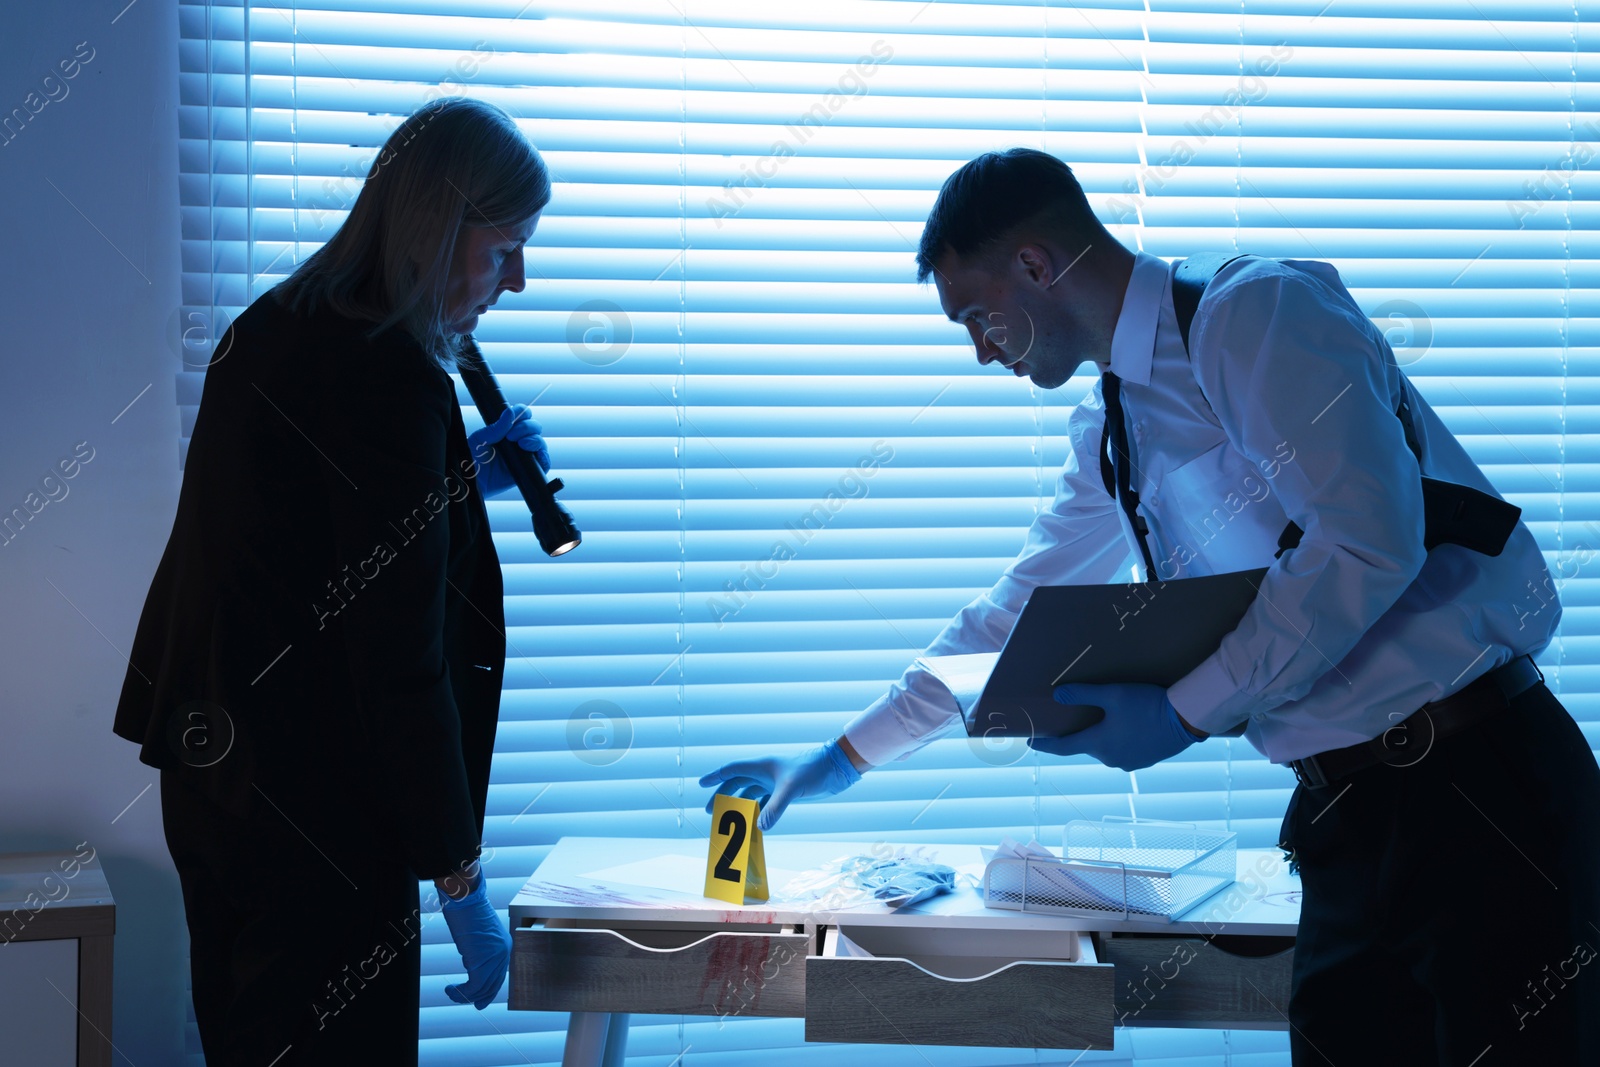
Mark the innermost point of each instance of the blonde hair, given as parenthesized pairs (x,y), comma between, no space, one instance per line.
(453,163)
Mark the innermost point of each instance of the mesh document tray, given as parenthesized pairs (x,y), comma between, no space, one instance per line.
(1117,868)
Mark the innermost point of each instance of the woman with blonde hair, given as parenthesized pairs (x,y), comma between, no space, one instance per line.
(318,665)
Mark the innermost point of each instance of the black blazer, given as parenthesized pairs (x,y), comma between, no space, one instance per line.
(326,627)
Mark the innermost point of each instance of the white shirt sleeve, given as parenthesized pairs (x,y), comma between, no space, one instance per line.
(1286,357)
(1078,541)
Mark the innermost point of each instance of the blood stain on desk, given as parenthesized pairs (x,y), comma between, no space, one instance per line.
(748,917)
(735,966)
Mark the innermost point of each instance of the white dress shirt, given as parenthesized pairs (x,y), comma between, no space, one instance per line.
(1285,409)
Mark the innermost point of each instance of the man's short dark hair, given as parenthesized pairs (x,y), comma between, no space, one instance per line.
(996,193)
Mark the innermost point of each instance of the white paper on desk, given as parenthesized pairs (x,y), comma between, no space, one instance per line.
(964,676)
(671,873)
(1012,850)
(1063,880)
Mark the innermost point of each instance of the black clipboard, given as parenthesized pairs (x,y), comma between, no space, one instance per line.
(1154,632)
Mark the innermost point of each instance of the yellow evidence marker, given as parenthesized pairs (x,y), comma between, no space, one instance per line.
(736,866)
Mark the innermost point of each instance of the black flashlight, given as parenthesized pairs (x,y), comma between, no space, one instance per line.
(551,523)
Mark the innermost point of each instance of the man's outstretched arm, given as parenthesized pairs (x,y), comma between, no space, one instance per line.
(1078,540)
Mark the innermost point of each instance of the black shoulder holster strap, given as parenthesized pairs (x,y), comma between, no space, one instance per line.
(1452,514)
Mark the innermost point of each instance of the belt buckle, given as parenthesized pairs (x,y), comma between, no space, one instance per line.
(1308,772)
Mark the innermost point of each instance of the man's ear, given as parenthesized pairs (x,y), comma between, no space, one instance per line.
(1034,264)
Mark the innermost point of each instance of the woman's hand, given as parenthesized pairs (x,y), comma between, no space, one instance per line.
(516,425)
(482,940)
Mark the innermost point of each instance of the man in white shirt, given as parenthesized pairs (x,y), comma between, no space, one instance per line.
(1283,413)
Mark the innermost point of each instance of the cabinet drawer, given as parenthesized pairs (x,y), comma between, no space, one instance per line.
(1236,982)
(866,987)
(673,972)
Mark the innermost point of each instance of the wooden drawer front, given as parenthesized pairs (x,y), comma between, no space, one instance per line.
(894,1001)
(555,969)
(1193,981)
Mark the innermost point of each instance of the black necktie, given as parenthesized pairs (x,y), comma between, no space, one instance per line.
(1116,466)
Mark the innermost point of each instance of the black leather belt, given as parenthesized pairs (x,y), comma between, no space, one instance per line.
(1408,741)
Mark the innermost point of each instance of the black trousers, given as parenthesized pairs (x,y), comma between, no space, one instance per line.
(305,943)
(1451,907)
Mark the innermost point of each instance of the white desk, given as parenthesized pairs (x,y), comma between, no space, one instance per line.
(57,924)
(608,926)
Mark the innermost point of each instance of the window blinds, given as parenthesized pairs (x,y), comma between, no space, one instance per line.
(789,468)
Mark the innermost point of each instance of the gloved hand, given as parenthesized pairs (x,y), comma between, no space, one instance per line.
(819,772)
(1141,726)
(484,944)
(515,424)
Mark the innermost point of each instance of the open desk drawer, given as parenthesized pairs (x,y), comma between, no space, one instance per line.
(893,986)
(1234,982)
(754,970)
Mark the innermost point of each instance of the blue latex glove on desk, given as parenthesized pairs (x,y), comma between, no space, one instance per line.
(819,772)
(483,942)
(514,425)
(900,883)
(1141,726)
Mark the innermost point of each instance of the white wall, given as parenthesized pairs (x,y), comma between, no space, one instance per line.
(89,233)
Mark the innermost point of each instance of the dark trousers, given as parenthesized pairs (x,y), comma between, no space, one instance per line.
(305,946)
(1451,907)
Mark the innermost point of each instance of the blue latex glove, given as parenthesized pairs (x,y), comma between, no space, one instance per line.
(484,944)
(516,425)
(819,772)
(1141,726)
(900,883)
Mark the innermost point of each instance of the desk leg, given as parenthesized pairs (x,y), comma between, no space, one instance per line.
(616,1040)
(94,1001)
(586,1039)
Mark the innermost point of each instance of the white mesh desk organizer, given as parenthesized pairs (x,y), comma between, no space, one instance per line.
(1117,868)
